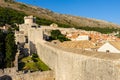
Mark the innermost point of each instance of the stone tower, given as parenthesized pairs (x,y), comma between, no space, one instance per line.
(29,20)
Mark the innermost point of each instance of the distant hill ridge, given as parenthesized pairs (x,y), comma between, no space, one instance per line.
(69,20)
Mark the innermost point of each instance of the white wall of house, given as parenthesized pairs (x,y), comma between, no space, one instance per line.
(85,37)
(108,47)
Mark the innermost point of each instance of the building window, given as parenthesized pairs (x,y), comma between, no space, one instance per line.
(26,39)
(34,26)
(107,51)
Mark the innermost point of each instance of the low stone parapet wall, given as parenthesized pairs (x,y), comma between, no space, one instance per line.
(46,75)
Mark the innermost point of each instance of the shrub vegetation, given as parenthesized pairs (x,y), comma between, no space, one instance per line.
(33,64)
(56,35)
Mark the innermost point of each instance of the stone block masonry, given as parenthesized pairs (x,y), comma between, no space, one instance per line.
(67,64)
(46,75)
(82,66)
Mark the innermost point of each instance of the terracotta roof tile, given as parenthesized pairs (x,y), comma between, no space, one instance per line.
(116,44)
(78,44)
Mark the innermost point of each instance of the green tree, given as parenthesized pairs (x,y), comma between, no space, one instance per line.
(9,0)
(1,41)
(2,48)
(56,35)
(10,49)
(105,30)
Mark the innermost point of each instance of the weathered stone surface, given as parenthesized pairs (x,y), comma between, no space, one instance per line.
(47,75)
(71,66)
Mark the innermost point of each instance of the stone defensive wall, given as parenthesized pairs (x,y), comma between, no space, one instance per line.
(71,64)
(8,71)
(46,75)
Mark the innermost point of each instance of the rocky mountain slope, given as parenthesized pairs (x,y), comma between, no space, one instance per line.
(69,20)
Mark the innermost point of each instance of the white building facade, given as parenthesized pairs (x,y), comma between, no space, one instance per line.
(84,37)
(109,48)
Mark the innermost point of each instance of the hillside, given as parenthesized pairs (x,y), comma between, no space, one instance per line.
(61,19)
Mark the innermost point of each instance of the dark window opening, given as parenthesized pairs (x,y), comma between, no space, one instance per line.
(26,39)
(107,51)
(34,27)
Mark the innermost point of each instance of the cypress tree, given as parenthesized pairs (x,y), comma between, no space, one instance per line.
(10,49)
